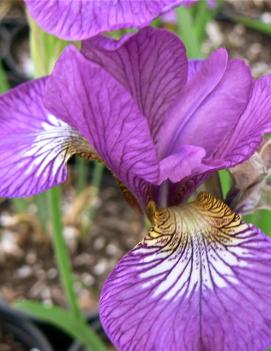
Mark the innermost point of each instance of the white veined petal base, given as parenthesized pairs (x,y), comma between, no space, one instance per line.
(199,281)
(34,144)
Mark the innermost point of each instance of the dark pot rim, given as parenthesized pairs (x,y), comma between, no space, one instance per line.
(5,38)
(22,328)
(10,59)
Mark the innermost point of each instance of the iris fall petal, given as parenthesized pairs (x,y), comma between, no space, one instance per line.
(200,280)
(81,19)
(34,145)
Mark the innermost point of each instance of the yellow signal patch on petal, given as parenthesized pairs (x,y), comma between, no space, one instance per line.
(200,280)
(206,217)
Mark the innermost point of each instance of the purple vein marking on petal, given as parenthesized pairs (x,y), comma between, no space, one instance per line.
(194,94)
(81,19)
(89,99)
(34,145)
(251,126)
(151,64)
(181,287)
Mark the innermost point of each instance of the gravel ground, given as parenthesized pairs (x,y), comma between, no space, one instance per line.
(27,262)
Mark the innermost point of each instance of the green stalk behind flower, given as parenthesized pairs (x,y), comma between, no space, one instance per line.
(45,49)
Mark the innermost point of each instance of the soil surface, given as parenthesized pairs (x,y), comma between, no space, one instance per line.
(27,264)
(241,42)
(8,343)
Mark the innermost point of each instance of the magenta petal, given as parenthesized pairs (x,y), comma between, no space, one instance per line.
(34,145)
(169,17)
(219,113)
(194,94)
(207,112)
(151,64)
(187,162)
(193,67)
(89,99)
(201,280)
(251,126)
(81,19)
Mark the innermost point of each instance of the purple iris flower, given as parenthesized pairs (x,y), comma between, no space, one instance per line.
(81,19)
(201,278)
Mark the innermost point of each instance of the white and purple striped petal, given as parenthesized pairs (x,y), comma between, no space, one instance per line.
(81,19)
(200,280)
(34,145)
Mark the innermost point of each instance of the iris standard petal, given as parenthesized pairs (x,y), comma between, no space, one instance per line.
(194,66)
(205,122)
(34,144)
(81,19)
(89,99)
(194,94)
(219,113)
(151,64)
(240,142)
(186,162)
(200,280)
(251,126)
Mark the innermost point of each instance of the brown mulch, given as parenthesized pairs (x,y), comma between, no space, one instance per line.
(28,269)
(241,41)
(8,343)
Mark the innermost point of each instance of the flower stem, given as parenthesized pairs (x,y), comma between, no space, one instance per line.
(81,168)
(61,251)
(225,181)
(214,186)
(163,195)
(92,341)
(96,182)
(19,205)
(186,30)
(45,49)
(41,201)
(4,86)
(95,188)
(265,223)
